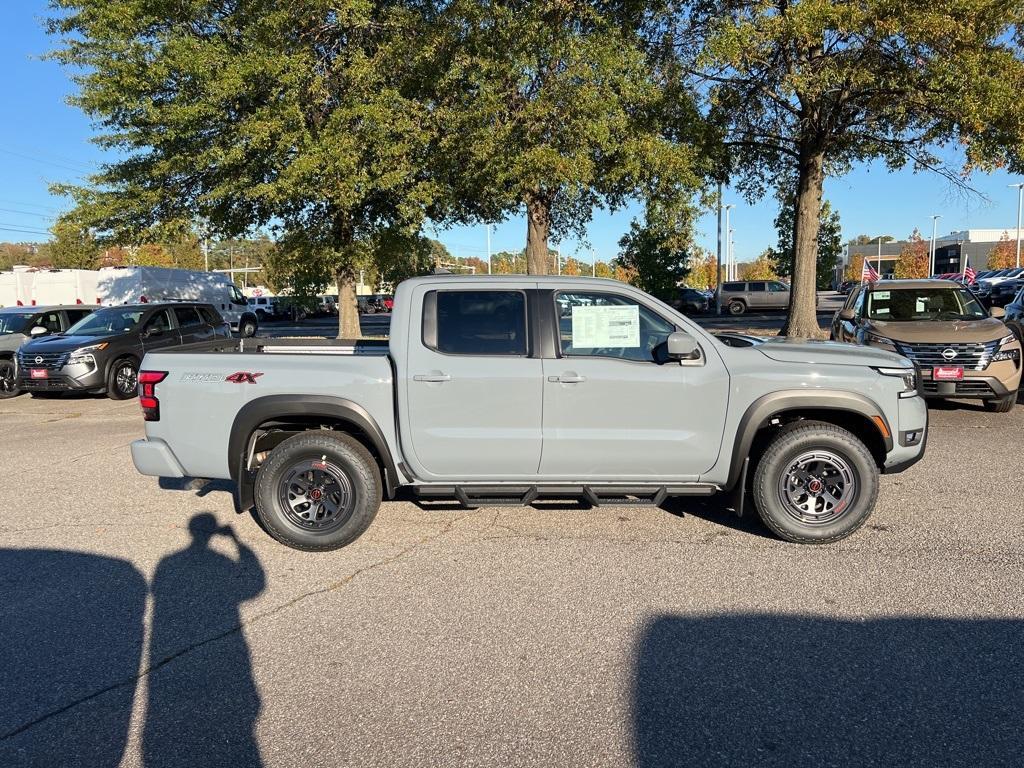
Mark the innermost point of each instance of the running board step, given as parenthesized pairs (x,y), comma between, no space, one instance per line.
(473,496)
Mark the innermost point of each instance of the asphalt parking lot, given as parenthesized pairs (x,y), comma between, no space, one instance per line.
(149,625)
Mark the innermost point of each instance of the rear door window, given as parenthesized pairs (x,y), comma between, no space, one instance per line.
(755,287)
(475,322)
(188,317)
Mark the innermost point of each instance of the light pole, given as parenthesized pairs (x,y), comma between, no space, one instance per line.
(732,256)
(718,256)
(488,228)
(1020,199)
(879,257)
(931,250)
(728,243)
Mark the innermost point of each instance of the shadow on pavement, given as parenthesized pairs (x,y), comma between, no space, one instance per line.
(776,690)
(71,643)
(71,630)
(206,704)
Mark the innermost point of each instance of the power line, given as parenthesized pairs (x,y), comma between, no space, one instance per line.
(28,213)
(27,230)
(23,204)
(34,159)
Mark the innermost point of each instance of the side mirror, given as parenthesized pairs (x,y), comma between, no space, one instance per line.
(38,331)
(995,312)
(681,346)
(149,333)
(847,315)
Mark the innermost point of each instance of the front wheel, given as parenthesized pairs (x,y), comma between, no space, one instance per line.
(317,491)
(815,484)
(8,380)
(123,380)
(247,327)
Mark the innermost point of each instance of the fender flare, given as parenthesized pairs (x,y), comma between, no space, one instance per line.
(271,407)
(766,406)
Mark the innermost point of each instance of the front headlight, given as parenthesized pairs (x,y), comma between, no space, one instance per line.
(909,376)
(1006,354)
(84,355)
(880,341)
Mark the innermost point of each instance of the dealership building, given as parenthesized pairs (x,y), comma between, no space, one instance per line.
(952,252)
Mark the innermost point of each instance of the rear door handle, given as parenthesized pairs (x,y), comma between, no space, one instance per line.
(567,378)
(432,377)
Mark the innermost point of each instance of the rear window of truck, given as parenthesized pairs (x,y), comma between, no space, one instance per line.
(475,322)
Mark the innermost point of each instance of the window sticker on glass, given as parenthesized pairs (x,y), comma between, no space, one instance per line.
(881,295)
(603,326)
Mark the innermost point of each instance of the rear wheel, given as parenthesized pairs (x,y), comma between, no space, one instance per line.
(318,491)
(123,379)
(8,380)
(815,484)
(737,307)
(1003,404)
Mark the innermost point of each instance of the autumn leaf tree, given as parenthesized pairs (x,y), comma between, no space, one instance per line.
(1004,254)
(913,261)
(808,87)
(764,267)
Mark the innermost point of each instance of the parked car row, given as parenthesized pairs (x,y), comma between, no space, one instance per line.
(47,351)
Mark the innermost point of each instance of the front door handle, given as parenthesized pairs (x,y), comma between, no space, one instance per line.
(436,378)
(567,378)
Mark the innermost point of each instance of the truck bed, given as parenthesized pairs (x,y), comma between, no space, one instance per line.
(292,346)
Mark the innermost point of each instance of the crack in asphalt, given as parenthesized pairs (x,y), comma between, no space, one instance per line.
(147,671)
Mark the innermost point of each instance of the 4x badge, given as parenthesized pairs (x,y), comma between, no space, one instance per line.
(243,377)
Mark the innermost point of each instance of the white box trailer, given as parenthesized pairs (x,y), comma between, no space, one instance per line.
(135,285)
(65,286)
(16,288)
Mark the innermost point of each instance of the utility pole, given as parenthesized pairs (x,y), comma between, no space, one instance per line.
(718,256)
(734,273)
(879,257)
(931,254)
(1020,199)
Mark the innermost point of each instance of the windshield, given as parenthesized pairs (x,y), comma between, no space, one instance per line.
(14,322)
(908,304)
(106,322)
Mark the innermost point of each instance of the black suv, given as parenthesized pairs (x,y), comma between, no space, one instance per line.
(102,352)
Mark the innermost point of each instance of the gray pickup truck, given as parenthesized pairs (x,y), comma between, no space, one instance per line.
(498,390)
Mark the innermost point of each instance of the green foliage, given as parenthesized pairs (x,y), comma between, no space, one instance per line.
(657,259)
(810,86)
(73,245)
(830,238)
(551,108)
(867,240)
(764,267)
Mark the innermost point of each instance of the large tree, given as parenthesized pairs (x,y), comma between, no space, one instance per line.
(807,87)
(252,113)
(73,246)
(550,109)
(829,243)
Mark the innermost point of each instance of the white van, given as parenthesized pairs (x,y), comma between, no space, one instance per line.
(134,285)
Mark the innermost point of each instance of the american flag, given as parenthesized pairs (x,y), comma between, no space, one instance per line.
(970,276)
(868,274)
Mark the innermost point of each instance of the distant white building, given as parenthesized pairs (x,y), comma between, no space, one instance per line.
(953,251)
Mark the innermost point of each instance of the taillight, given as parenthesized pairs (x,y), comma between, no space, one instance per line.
(147,393)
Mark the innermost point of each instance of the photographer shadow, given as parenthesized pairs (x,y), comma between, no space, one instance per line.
(207,703)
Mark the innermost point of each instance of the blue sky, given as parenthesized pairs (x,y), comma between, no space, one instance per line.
(43,140)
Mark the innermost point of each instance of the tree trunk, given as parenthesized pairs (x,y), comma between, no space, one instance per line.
(348,311)
(802,320)
(538,227)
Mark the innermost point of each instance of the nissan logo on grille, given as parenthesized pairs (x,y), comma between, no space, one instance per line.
(948,353)
(38,360)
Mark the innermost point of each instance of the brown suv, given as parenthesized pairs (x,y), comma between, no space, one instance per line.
(960,348)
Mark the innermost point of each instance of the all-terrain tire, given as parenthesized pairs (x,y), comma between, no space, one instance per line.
(287,480)
(737,307)
(8,382)
(786,459)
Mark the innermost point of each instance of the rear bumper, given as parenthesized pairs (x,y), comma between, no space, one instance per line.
(154,457)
